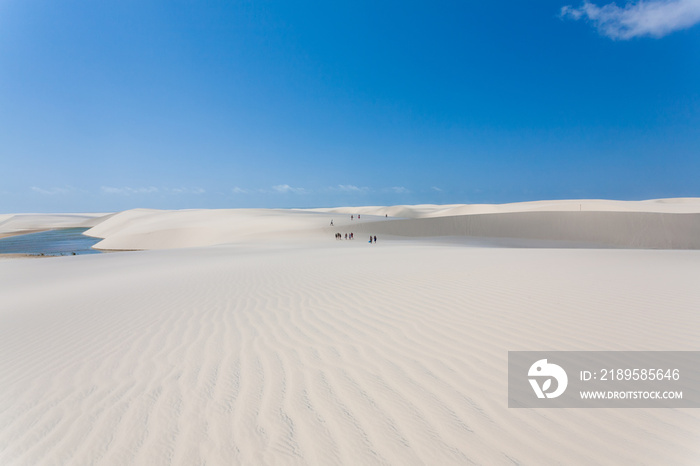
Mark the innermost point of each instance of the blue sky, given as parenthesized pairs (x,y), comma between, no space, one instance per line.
(108,106)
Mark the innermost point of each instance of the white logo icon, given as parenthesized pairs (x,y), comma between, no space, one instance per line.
(542,369)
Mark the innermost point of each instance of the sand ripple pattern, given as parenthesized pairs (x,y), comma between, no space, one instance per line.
(394,354)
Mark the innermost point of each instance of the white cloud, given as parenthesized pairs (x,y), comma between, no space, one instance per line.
(237,190)
(285,188)
(435,188)
(655,18)
(349,188)
(399,190)
(186,190)
(127,191)
(52,191)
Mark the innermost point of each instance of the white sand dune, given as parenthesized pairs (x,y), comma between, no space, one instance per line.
(554,229)
(166,229)
(666,224)
(341,353)
(285,346)
(671,206)
(18,223)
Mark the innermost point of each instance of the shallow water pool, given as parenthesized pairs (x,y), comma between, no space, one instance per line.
(60,242)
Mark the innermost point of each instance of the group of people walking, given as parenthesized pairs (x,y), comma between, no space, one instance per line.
(339,236)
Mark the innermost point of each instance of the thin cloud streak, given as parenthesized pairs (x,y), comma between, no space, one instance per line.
(52,191)
(285,188)
(127,191)
(186,190)
(349,188)
(655,18)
